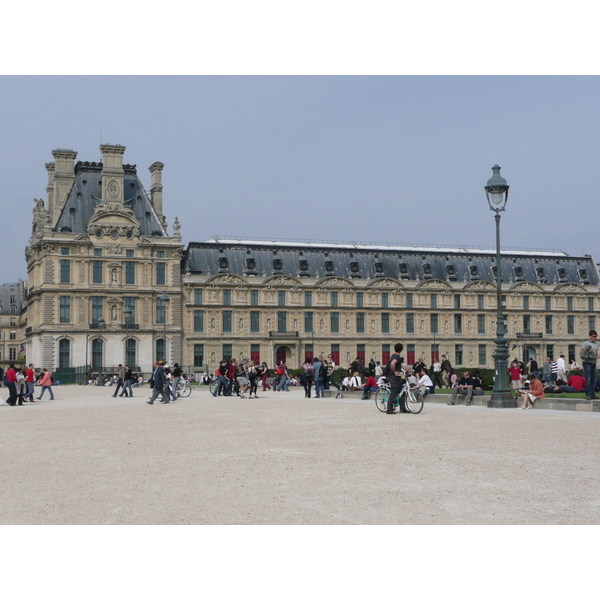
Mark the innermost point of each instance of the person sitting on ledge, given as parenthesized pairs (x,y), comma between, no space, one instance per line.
(575,383)
(370,386)
(535,392)
(464,387)
(425,384)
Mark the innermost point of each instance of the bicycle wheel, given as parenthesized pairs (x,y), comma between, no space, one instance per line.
(381,399)
(414,401)
(184,390)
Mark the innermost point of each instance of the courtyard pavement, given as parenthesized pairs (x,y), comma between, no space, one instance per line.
(88,458)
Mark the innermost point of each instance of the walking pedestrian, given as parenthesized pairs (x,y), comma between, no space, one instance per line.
(29,378)
(589,354)
(46,383)
(127,381)
(307,378)
(120,379)
(159,382)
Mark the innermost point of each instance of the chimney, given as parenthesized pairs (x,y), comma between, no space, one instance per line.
(156,186)
(50,188)
(112,173)
(64,176)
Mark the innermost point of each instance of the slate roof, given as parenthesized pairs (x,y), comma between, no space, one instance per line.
(247,258)
(79,206)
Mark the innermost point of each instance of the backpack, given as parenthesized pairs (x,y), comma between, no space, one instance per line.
(6,382)
(323,371)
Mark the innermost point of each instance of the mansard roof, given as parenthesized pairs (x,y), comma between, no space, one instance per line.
(79,205)
(362,261)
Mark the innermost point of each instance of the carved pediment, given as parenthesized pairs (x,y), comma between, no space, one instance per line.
(227,279)
(338,282)
(433,284)
(570,288)
(113,220)
(386,284)
(483,286)
(526,286)
(279,280)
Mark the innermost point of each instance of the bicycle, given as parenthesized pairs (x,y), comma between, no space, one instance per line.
(414,398)
(184,389)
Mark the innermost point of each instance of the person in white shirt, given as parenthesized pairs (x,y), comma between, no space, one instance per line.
(560,365)
(425,384)
(437,368)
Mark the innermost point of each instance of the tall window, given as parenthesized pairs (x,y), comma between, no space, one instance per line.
(525,302)
(548,302)
(161,312)
(130,303)
(254,321)
(360,352)
(129,272)
(97,251)
(591,323)
(458,324)
(482,355)
(570,324)
(480,324)
(385,354)
(160,273)
(334,299)
(97,271)
(308,322)
(97,354)
(129,253)
(526,324)
(385,322)
(335,322)
(480,302)
(360,299)
(226,321)
(282,321)
(433,323)
(64,354)
(130,352)
(435,352)
(65,251)
(228,351)
(255,353)
(308,299)
(385,300)
(65,270)
(12,354)
(410,323)
(571,352)
(308,352)
(65,309)
(360,322)
(335,354)
(226,297)
(458,354)
(254,297)
(410,354)
(96,309)
(591,304)
(281,298)
(198,321)
(160,349)
(548,323)
(433,300)
(550,351)
(198,355)
(456,300)
(409,300)
(198,297)
(569,302)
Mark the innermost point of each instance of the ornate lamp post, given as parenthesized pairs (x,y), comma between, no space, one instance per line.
(101,326)
(496,192)
(128,311)
(164,302)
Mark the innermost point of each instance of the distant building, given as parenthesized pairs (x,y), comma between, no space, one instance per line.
(12,348)
(100,245)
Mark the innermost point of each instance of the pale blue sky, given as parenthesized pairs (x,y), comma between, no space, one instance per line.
(399,159)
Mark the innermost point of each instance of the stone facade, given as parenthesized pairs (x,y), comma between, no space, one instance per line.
(100,244)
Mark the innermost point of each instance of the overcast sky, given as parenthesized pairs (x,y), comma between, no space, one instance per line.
(398,159)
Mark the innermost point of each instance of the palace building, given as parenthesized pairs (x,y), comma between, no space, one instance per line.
(108,284)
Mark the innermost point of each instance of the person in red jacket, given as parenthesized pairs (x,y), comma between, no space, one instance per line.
(370,386)
(11,384)
(30,378)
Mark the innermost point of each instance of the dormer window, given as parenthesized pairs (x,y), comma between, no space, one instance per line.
(474,272)
(223,264)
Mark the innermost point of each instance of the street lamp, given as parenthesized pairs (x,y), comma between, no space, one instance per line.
(128,311)
(496,192)
(164,302)
(101,326)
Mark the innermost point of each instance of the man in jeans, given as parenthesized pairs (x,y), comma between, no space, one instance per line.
(464,388)
(589,354)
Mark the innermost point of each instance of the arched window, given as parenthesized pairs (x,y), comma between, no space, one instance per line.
(97,347)
(64,354)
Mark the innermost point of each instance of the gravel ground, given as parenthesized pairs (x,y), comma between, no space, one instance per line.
(88,458)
